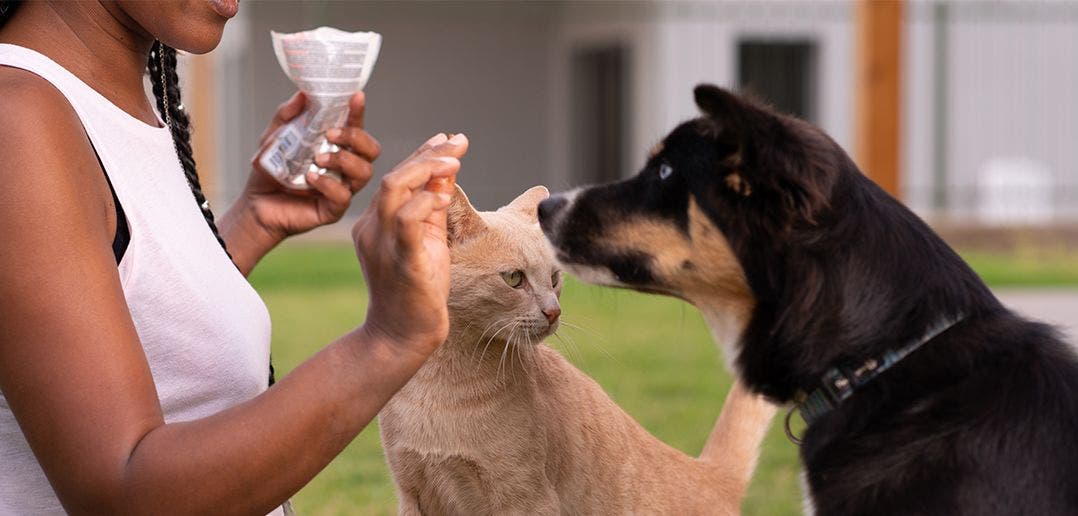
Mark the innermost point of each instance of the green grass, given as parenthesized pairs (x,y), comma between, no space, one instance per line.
(653,355)
(1026,268)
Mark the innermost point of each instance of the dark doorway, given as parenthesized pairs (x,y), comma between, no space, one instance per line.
(781,72)
(599,81)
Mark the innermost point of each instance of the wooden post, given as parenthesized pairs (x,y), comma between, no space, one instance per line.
(200,101)
(879,91)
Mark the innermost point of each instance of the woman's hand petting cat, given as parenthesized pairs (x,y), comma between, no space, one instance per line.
(401,243)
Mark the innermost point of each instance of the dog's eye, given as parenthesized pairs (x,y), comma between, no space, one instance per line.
(513,278)
(665,170)
(555,278)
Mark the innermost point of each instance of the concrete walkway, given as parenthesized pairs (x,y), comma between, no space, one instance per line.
(1058,307)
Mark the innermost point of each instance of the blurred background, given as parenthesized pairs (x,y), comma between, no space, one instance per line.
(965,110)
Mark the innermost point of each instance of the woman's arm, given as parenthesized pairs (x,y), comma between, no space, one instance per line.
(266,212)
(75,375)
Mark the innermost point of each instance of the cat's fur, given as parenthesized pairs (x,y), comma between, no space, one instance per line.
(498,423)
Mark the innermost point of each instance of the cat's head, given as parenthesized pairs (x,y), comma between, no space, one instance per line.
(505,281)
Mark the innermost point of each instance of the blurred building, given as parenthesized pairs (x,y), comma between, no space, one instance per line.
(564,93)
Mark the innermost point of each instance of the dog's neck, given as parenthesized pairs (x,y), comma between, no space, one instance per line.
(839,383)
(850,292)
(727,324)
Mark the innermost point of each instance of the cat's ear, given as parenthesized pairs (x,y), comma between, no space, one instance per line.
(527,203)
(462,221)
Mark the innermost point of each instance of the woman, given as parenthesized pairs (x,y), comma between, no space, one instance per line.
(133,354)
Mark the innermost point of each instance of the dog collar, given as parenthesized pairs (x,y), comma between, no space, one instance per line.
(838,384)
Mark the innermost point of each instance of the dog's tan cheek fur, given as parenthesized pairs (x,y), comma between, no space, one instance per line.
(696,266)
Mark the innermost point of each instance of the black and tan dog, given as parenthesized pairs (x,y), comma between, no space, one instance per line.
(923,393)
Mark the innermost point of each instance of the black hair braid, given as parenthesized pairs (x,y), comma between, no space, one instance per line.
(7,10)
(166,90)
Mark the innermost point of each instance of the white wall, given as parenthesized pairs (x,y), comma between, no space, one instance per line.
(474,67)
(699,43)
(676,45)
(500,71)
(586,24)
(1012,92)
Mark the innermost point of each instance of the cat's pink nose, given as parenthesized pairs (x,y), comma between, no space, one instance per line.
(552,314)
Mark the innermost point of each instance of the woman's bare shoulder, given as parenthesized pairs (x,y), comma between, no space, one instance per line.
(47,165)
(29,101)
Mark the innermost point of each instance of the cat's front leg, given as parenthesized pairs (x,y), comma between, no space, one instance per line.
(543,501)
(407,505)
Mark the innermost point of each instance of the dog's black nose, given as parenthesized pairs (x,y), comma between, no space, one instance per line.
(551,206)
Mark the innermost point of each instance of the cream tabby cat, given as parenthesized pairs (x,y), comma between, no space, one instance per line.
(497,423)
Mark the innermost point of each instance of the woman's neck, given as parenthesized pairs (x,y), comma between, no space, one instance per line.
(95,41)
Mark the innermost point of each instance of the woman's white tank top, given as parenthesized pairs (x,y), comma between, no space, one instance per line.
(205,331)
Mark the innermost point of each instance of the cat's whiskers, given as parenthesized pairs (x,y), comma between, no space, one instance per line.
(505,350)
(518,346)
(529,354)
(569,341)
(581,327)
(479,363)
(525,343)
(480,339)
(574,354)
(510,368)
(595,343)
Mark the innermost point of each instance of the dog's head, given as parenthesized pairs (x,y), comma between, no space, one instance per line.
(715,196)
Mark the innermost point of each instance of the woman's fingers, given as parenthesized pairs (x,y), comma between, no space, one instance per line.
(433,142)
(440,145)
(440,159)
(356,139)
(400,185)
(288,110)
(330,188)
(404,197)
(457,146)
(357,106)
(355,171)
(411,218)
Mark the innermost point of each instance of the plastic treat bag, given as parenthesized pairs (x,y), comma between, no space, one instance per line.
(328,65)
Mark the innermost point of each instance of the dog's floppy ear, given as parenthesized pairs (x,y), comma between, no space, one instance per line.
(527,203)
(462,221)
(717,102)
(776,157)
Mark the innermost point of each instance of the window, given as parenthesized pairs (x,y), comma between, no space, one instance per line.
(781,72)
(598,113)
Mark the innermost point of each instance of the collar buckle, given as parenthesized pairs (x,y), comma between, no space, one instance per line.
(836,385)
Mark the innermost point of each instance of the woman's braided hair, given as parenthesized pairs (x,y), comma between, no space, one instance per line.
(166,90)
(7,10)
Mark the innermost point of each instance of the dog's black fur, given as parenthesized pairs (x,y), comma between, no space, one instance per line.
(982,419)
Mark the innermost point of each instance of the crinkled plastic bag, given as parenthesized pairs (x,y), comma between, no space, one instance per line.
(329,66)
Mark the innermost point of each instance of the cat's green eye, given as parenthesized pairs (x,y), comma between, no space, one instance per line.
(513,278)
